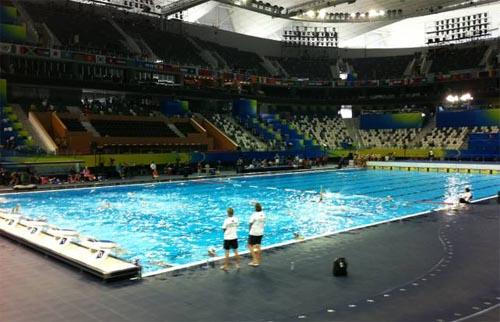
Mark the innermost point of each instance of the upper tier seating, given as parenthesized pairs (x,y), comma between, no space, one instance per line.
(446,59)
(185,127)
(237,133)
(73,125)
(381,67)
(77,25)
(327,130)
(170,47)
(388,138)
(118,106)
(237,60)
(316,69)
(132,128)
(453,138)
(485,129)
(445,137)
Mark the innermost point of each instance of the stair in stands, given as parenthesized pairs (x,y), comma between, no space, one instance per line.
(75,110)
(431,123)
(175,130)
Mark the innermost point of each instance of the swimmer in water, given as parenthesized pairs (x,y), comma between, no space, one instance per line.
(212,252)
(105,205)
(298,236)
(16,209)
(389,198)
(321,195)
(466,197)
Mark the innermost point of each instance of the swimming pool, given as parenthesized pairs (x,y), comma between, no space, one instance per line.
(175,223)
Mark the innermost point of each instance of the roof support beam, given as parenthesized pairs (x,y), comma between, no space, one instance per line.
(180,5)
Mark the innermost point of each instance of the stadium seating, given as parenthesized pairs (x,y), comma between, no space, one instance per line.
(12,134)
(315,69)
(485,129)
(453,138)
(237,60)
(132,128)
(237,133)
(380,67)
(185,128)
(170,47)
(73,125)
(388,138)
(77,26)
(445,137)
(118,106)
(327,130)
(446,59)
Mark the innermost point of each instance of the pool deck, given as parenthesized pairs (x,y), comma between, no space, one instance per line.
(162,178)
(442,266)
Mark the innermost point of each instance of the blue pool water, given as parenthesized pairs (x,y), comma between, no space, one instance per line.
(175,223)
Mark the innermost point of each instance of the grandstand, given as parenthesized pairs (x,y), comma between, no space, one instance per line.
(194,107)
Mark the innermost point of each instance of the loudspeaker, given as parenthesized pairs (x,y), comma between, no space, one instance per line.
(340,267)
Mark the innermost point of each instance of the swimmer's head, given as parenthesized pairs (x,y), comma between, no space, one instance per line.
(258,207)
(467,189)
(230,212)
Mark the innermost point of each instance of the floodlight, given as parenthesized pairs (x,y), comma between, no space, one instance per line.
(452,98)
(466,97)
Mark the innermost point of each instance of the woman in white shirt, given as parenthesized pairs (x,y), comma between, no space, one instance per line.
(256,222)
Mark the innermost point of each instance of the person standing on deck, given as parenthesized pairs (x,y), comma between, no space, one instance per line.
(230,228)
(256,233)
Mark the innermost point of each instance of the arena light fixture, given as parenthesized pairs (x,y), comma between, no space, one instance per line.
(467,97)
(452,98)
(311,13)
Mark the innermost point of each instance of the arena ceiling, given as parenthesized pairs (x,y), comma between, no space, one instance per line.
(247,17)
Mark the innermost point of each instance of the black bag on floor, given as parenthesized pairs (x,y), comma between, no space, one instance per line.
(340,267)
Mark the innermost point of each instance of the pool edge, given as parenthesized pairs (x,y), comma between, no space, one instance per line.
(292,242)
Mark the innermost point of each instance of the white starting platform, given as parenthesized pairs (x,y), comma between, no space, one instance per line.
(453,167)
(67,245)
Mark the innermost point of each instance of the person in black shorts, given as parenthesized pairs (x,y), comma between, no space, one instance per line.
(255,234)
(230,228)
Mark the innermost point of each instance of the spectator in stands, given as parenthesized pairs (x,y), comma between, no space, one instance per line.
(4,177)
(431,155)
(87,175)
(219,167)
(239,165)
(119,170)
(14,179)
(154,172)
